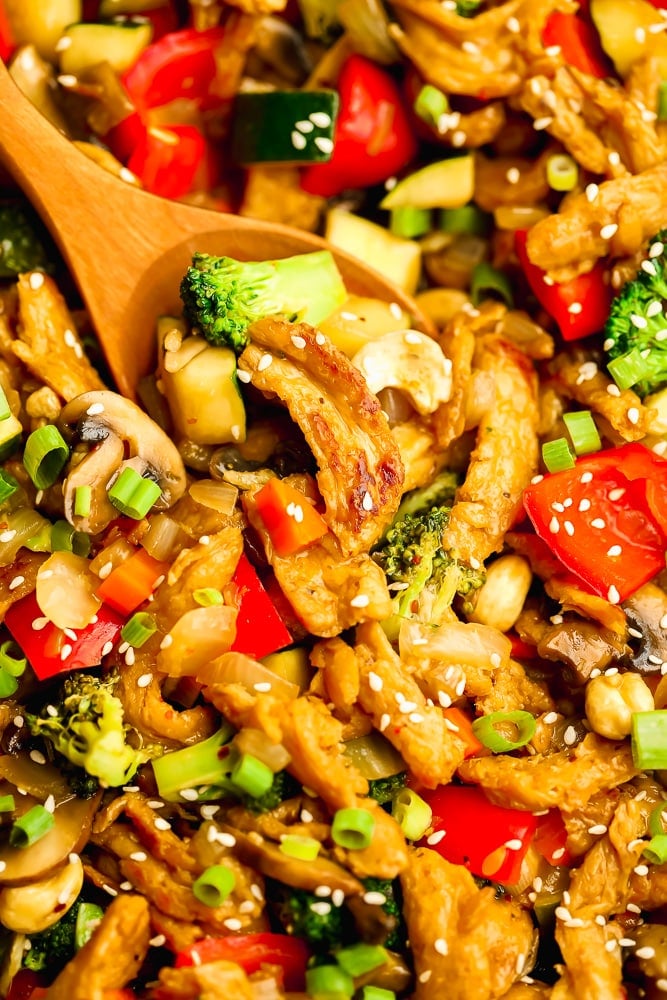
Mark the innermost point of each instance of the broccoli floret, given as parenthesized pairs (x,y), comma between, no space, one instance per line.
(393,907)
(383,790)
(83,785)
(293,908)
(222,297)
(636,331)
(88,729)
(52,949)
(439,493)
(468,8)
(284,787)
(429,578)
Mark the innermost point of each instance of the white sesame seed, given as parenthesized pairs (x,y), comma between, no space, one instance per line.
(554,525)
(374,898)
(144,680)
(167,641)
(640,35)
(553,50)
(385,719)
(597,830)
(375,682)
(441,946)
(584,505)
(606,232)
(614,550)
(425,975)
(65,651)
(645,952)
(513,175)
(323,143)
(512,24)
(626,942)
(298,140)
(569,528)
(304,126)
(233,924)
(162,824)
(243,376)
(633,415)
(39,623)
(550,718)
(592,191)
(641,869)
(320,118)
(542,123)
(575,308)
(37,757)
(264,362)
(598,522)
(513,845)
(613,389)
(360,601)
(614,158)
(139,856)
(570,736)
(610,945)
(16,582)
(367,501)
(320,338)
(299,342)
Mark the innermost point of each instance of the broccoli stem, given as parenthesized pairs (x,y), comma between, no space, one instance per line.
(194,766)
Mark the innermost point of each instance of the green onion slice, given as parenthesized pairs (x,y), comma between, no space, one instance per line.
(31,827)
(7,804)
(562,172)
(648,739)
(628,369)
(8,485)
(303,848)
(5,410)
(657,819)
(214,885)
(377,993)
(431,104)
(82,501)
(353,828)
(64,538)
(583,432)
(88,917)
(557,456)
(12,659)
(251,775)
(207,596)
(661,108)
(45,455)
(487,730)
(329,981)
(409,222)
(412,813)
(655,851)
(138,630)
(8,684)
(358,959)
(133,495)
(468,220)
(487,279)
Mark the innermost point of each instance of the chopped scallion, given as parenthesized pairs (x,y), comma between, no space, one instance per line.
(303,848)
(431,104)
(45,455)
(557,456)
(207,596)
(7,803)
(661,108)
(358,959)
(64,538)
(133,495)
(8,684)
(12,659)
(655,851)
(377,993)
(562,172)
(8,485)
(5,410)
(412,813)
(468,220)
(251,775)
(138,629)
(649,739)
(489,730)
(583,432)
(487,280)
(324,981)
(353,828)
(656,821)
(409,222)
(31,827)
(628,369)
(214,885)
(82,501)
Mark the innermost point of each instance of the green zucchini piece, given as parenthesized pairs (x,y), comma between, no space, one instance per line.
(119,43)
(284,126)
(20,247)
(446,184)
(10,436)
(320,19)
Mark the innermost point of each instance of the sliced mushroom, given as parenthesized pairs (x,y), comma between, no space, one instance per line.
(409,361)
(100,413)
(646,610)
(95,470)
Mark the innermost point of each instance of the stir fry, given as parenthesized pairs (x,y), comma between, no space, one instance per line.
(333,665)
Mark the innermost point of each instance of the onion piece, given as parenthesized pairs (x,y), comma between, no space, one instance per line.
(40,780)
(65,590)
(367,27)
(257,744)
(24,523)
(237,668)
(197,637)
(456,643)
(216,494)
(164,539)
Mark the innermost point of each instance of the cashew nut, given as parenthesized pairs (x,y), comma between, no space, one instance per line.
(410,361)
(501,597)
(611,701)
(29,909)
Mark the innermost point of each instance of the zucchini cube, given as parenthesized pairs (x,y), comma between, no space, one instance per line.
(284,126)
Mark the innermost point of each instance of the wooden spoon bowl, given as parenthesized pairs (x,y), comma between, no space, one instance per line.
(128,250)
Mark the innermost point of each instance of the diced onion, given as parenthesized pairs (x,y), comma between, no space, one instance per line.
(197,638)
(24,523)
(65,590)
(455,643)
(164,538)
(256,743)
(366,26)
(237,668)
(216,494)
(513,217)
(562,172)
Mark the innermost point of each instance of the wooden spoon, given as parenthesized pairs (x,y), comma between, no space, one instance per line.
(128,249)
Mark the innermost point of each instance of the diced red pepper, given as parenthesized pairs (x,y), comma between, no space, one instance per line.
(551,838)
(288,516)
(126,136)
(251,952)
(259,628)
(7,43)
(579,43)
(43,647)
(580,307)
(477,832)
(521,650)
(613,532)
(27,985)
(181,64)
(172,161)
(373,139)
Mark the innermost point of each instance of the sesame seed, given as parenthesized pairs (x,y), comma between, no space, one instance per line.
(360,601)
(320,338)
(553,50)
(441,946)
(375,898)
(575,308)
(264,362)
(586,477)
(574,922)
(323,143)
(542,123)
(65,651)
(584,505)
(138,856)
(242,376)
(435,838)
(592,191)
(367,501)
(512,24)
(641,869)
(16,582)
(425,975)
(144,680)
(633,415)
(320,118)
(627,942)
(384,722)
(233,924)
(304,126)
(554,526)
(598,522)
(36,280)
(615,550)
(110,890)
(606,232)
(570,736)
(513,175)
(614,158)
(569,528)
(39,623)
(375,682)
(645,952)
(550,718)
(338,897)
(597,830)
(610,945)
(661,985)
(562,913)
(640,35)
(613,389)
(653,309)
(444,699)
(298,140)
(513,845)
(298,342)
(162,824)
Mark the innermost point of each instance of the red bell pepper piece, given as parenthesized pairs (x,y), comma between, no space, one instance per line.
(27,985)
(551,838)
(259,628)
(579,43)
(42,647)
(618,542)
(126,136)
(477,832)
(7,43)
(181,64)
(373,139)
(580,306)
(172,161)
(251,952)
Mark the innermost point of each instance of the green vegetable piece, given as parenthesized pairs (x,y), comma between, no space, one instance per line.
(194,766)
(138,629)
(648,740)
(583,432)
(87,918)
(284,126)
(31,827)
(655,851)
(207,596)
(8,485)
(251,775)
(431,104)
(661,104)
(52,948)
(489,281)
(45,455)
(468,220)
(488,730)
(328,982)
(557,456)
(410,222)
(11,432)
(358,959)
(385,790)
(214,885)
(65,538)
(222,297)
(304,848)
(353,828)
(8,684)
(134,495)
(412,814)
(12,659)
(7,803)
(377,993)
(21,249)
